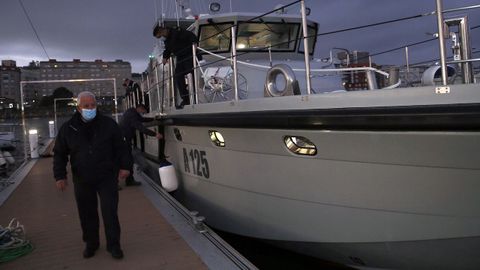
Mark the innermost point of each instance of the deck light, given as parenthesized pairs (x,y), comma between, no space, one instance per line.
(241,46)
(217,138)
(300,145)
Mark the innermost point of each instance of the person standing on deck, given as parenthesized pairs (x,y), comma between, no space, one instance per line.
(98,157)
(178,42)
(132,120)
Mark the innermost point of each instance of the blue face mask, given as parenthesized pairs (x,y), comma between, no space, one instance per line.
(89,114)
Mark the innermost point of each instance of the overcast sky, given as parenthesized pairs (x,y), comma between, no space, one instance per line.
(122,29)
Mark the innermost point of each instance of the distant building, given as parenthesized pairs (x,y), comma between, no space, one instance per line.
(31,93)
(10,80)
(74,70)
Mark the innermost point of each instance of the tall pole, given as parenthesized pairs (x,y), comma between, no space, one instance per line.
(441,41)
(23,122)
(157,84)
(305,46)
(195,72)
(55,115)
(407,63)
(234,61)
(142,93)
(115,110)
(172,81)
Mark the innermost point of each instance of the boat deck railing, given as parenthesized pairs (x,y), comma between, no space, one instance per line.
(461,55)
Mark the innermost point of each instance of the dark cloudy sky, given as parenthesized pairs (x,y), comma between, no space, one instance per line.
(121,29)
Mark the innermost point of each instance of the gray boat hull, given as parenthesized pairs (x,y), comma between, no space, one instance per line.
(389,199)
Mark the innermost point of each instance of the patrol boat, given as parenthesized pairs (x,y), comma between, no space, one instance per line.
(339,159)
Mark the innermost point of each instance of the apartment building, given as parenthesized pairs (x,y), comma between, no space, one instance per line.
(95,71)
(9,80)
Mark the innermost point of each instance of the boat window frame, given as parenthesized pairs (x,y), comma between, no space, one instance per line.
(300,49)
(296,39)
(231,23)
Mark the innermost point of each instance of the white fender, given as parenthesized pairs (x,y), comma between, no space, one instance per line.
(168,176)
(8,157)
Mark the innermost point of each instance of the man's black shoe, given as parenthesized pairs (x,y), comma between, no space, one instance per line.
(132,183)
(89,252)
(117,253)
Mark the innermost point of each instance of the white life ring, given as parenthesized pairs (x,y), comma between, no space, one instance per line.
(291,83)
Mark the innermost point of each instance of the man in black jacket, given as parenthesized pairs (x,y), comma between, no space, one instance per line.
(132,120)
(179,42)
(98,157)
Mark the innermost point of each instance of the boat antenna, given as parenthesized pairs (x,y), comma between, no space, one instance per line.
(34,30)
(231,6)
(156,9)
(162,18)
(176,13)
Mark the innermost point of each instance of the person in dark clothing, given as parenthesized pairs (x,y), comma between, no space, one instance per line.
(132,120)
(132,88)
(98,158)
(178,42)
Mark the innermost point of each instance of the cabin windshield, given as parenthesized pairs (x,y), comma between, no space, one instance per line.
(215,37)
(261,36)
(312,39)
(252,36)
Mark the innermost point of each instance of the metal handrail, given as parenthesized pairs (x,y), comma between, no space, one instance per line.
(297,69)
(464,61)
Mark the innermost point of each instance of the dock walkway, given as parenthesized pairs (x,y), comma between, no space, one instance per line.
(52,225)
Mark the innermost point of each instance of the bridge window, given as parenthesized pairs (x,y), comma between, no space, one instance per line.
(215,37)
(312,39)
(254,36)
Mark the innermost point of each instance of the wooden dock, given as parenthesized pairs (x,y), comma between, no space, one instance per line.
(52,225)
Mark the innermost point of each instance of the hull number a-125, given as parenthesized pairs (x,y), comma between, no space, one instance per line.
(195,162)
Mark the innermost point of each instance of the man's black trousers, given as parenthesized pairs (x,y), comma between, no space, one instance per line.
(87,204)
(182,68)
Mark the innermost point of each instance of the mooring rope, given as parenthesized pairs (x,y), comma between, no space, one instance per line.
(13,243)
